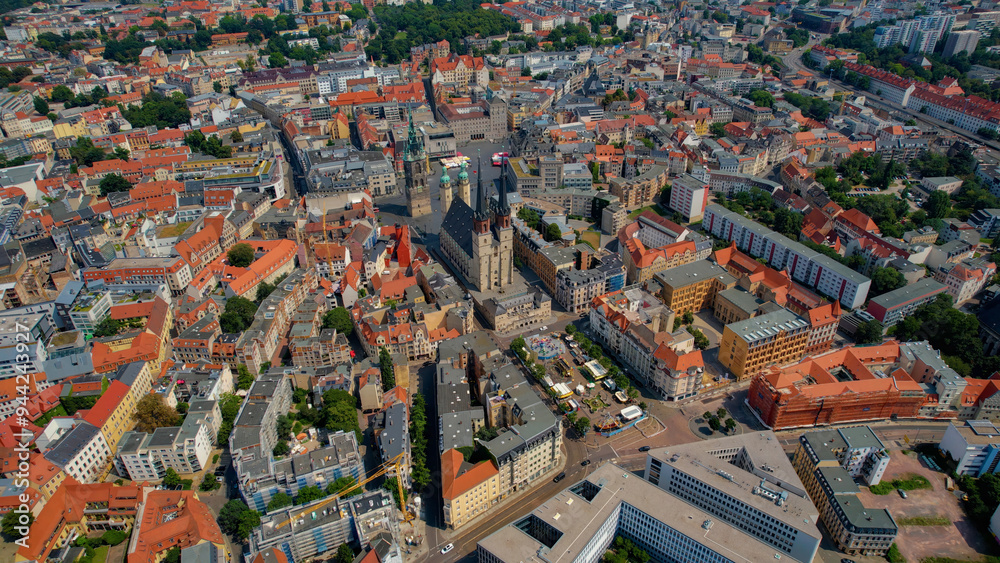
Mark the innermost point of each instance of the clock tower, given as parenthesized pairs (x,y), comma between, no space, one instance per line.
(418,197)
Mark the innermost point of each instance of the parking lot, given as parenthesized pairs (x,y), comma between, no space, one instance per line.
(959,540)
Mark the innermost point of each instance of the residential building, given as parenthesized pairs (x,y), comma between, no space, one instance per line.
(828,462)
(966,279)
(692,287)
(467,490)
(958,41)
(640,190)
(809,267)
(185,449)
(689,196)
(175,519)
(81,452)
(890,308)
(643,263)
(265,478)
(392,435)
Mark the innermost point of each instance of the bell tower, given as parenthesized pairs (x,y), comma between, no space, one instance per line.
(446,192)
(415,169)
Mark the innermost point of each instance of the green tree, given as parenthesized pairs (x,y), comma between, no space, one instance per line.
(721,413)
(582,425)
(121,153)
(41,106)
(237,519)
(761,98)
(279,500)
(114,183)
(714,424)
(11,521)
(344,553)
(171,478)
(277,60)
(938,204)
(236,136)
(391,484)
(209,482)
(151,412)
(730,424)
(309,494)
(553,233)
(387,368)
(238,315)
(339,319)
(281,449)
(885,280)
(217,86)
(717,130)
(240,255)
(244,379)
(85,153)
(869,332)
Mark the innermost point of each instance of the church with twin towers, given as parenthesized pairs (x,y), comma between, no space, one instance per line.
(477,239)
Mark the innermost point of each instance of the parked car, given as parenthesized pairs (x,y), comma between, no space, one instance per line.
(585,463)
(901,492)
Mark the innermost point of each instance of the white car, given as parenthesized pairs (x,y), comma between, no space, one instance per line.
(447,548)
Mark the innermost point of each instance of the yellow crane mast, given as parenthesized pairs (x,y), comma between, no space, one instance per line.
(381,470)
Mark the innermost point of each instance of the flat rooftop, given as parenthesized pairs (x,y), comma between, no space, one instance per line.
(570,521)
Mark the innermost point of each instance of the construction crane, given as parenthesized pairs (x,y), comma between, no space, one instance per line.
(392,464)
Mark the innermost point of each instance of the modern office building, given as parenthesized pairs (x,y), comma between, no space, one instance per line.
(773,338)
(726,501)
(828,462)
(975,445)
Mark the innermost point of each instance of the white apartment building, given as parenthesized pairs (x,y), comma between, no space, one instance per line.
(805,265)
(688,196)
(185,448)
(81,452)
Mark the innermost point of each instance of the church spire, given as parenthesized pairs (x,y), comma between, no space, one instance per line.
(481,219)
(504,208)
(414,146)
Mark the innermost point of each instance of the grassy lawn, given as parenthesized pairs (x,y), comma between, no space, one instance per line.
(101,554)
(654,208)
(592,237)
(595,403)
(924,521)
(45,418)
(175,230)
(907,482)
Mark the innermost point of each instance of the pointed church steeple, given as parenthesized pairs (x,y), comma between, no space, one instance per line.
(502,219)
(414,145)
(504,205)
(481,219)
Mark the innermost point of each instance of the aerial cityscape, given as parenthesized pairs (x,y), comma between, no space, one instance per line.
(399,281)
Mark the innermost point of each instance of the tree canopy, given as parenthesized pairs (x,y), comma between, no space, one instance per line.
(240,255)
(238,315)
(339,319)
(114,183)
(151,412)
